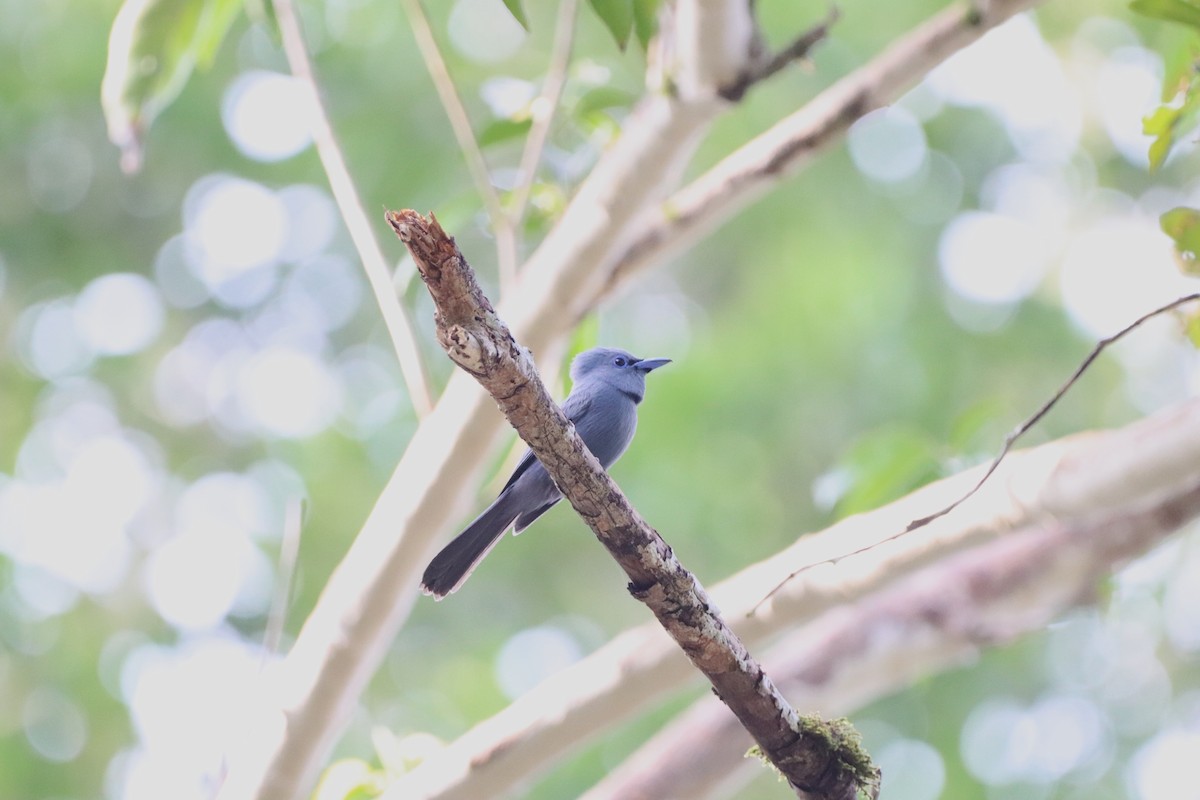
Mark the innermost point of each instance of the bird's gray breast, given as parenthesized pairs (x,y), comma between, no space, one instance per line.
(608,423)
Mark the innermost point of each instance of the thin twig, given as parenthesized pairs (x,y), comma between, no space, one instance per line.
(346,197)
(1009,441)
(795,51)
(289,550)
(543,110)
(460,123)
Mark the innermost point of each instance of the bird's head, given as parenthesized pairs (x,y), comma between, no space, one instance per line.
(617,368)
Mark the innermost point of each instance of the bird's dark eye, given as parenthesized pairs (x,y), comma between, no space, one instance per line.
(619,361)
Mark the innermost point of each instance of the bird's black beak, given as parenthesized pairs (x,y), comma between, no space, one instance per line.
(648,364)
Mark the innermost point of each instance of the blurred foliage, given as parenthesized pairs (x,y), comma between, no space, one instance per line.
(153,48)
(1183,226)
(617,16)
(1182,11)
(824,363)
(516,8)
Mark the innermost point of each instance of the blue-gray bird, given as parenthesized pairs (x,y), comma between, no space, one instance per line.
(608,385)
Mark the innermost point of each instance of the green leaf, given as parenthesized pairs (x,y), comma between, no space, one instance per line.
(153,48)
(617,16)
(1179,66)
(1182,224)
(1183,11)
(350,779)
(1160,124)
(1170,121)
(502,130)
(215,21)
(518,11)
(645,20)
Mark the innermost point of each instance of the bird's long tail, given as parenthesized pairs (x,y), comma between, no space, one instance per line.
(456,560)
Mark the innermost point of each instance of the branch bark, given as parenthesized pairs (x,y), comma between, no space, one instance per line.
(1075,481)
(932,620)
(812,755)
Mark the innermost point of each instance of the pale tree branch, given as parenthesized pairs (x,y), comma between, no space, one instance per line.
(373,589)
(713,43)
(346,197)
(767,67)
(460,124)
(289,552)
(1071,481)
(932,620)
(746,174)
(543,109)
(807,752)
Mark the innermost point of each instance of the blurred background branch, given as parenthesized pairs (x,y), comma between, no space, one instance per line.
(740,178)
(344,193)
(935,619)
(1046,495)
(460,124)
(542,111)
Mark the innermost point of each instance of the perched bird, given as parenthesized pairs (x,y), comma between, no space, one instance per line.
(608,385)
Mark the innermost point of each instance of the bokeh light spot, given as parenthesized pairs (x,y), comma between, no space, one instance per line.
(54,725)
(48,342)
(312,222)
(483,31)
(532,655)
(268,115)
(59,171)
(1165,767)
(288,393)
(888,145)
(1016,75)
(239,228)
(192,581)
(119,313)
(991,258)
(912,770)
(1117,270)
(1127,87)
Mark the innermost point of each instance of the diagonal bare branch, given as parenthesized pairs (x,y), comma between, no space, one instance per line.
(934,619)
(811,754)
(350,206)
(460,124)
(1070,481)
